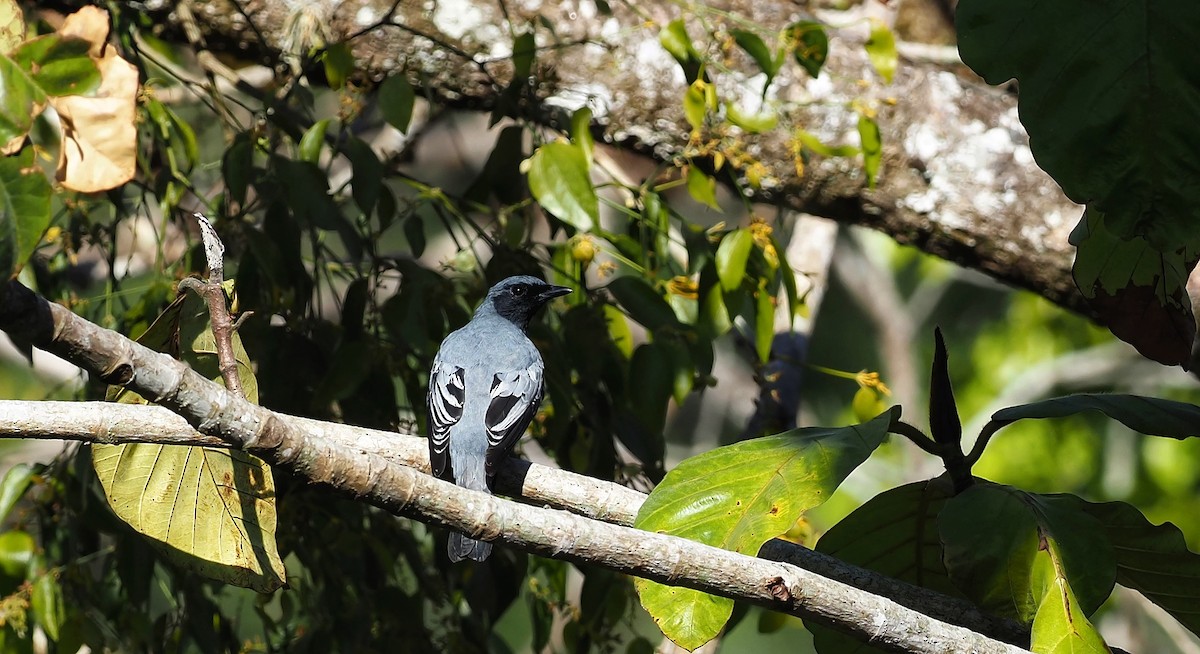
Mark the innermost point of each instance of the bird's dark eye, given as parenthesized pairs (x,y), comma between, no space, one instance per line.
(519,290)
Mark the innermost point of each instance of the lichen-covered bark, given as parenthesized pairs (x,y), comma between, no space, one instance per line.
(958,179)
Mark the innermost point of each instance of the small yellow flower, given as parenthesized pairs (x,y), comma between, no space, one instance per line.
(684,287)
(583,249)
(872,380)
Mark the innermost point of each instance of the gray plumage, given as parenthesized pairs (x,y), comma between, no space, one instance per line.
(484,389)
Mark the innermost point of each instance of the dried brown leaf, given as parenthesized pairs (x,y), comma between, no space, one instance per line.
(99,133)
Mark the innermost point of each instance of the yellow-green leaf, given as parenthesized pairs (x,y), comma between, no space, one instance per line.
(211,510)
(732,254)
(559,181)
(881,49)
(739,497)
(702,188)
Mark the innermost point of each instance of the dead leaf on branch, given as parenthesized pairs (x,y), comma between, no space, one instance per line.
(99,133)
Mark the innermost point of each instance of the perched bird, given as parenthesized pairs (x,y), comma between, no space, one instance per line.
(485,387)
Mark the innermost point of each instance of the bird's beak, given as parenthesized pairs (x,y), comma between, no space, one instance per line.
(552,292)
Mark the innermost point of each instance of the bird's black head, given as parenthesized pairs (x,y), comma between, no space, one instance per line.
(518,298)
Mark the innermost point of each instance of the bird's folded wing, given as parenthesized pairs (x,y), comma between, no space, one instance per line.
(514,399)
(447,392)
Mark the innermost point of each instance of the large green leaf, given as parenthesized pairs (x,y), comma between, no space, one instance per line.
(1129,68)
(1147,415)
(211,510)
(739,497)
(24,209)
(1153,560)
(995,538)
(396,100)
(559,181)
(894,533)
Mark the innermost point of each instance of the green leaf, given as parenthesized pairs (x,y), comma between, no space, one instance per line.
(306,190)
(396,100)
(339,64)
(809,45)
(1127,66)
(895,534)
(651,367)
(644,304)
(47,601)
(312,141)
(1060,626)
(59,65)
(618,330)
(16,551)
(695,104)
(581,132)
(24,209)
(675,40)
(524,50)
(754,46)
(1146,415)
(872,148)
(739,497)
(1152,559)
(881,50)
(702,188)
(21,100)
(367,174)
(1138,292)
(237,164)
(813,143)
(559,181)
(732,254)
(211,510)
(764,121)
(12,488)
(764,323)
(682,367)
(993,535)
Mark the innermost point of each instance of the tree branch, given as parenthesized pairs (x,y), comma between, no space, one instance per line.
(958,179)
(306,450)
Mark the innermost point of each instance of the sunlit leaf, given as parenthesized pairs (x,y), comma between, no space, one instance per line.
(754,46)
(695,105)
(58,64)
(732,255)
(211,510)
(1060,626)
(20,102)
(12,25)
(675,40)
(702,188)
(559,181)
(16,551)
(739,497)
(339,64)
(313,140)
(581,132)
(764,325)
(16,481)
(47,604)
(881,50)
(763,121)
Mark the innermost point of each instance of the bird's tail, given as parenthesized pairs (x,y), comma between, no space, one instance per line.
(460,547)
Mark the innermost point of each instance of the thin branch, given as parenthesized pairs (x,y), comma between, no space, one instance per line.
(406,492)
(916,436)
